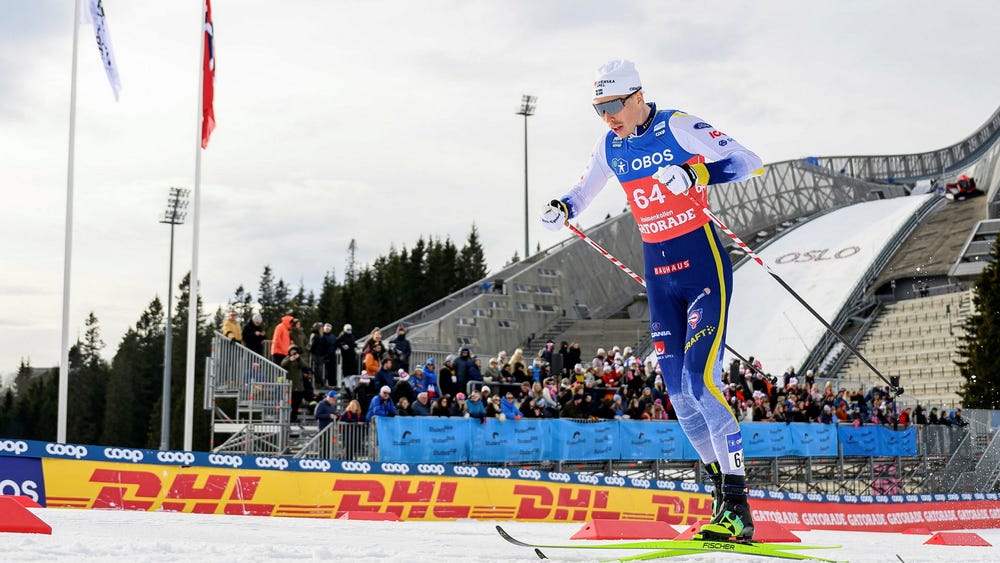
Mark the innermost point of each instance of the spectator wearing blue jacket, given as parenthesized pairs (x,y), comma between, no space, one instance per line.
(509,408)
(325,414)
(475,407)
(381,404)
(422,406)
(431,379)
(385,375)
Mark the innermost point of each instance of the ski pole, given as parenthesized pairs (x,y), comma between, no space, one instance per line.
(641,281)
(896,388)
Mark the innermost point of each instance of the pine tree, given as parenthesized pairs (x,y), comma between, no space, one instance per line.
(88,382)
(271,309)
(471,260)
(980,347)
(136,381)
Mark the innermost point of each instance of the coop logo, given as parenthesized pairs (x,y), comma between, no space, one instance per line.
(227,460)
(356,466)
(897,498)
(494,471)
(614,480)
(796,496)
(619,165)
(66,450)
(694,318)
(183,458)
(529,474)
(756,493)
(588,479)
(833,498)
(321,464)
(775,495)
(124,454)
(16,447)
(271,463)
(464,471)
(691,487)
(665,485)
(401,468)
(814,497)
(865,498)
(640,483)
(430,469)
(560,477)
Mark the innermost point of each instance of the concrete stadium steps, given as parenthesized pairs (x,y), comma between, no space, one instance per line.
(916,340)
(603,333)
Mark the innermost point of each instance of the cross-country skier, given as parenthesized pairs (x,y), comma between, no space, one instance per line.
(664,160)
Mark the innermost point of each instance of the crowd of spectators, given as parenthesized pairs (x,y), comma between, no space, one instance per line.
(553,382)
(615,384)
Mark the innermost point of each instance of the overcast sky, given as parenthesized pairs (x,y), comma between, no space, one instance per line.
(388,121)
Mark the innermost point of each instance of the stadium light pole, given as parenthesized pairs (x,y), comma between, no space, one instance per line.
(527,108)
(177,202)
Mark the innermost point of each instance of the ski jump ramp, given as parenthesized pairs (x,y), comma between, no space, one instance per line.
(825,260)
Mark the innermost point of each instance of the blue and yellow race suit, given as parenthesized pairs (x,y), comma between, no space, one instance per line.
(688,272)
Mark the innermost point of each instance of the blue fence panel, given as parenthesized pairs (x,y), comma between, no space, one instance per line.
(644,440)
(510,440)
(860,441)
(424,439)
(898,443)
(808,440)
(581,441)
(766,439)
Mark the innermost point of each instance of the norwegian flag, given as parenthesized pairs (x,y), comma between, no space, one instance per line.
(208,79)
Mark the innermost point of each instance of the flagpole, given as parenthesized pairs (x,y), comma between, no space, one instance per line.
(196,225)
(68,246)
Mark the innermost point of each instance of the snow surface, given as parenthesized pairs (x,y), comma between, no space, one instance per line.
(105,535)
(766,321)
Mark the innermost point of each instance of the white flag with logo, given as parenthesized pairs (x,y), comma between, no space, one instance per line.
(93,12)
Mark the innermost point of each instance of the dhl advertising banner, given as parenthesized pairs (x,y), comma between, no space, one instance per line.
(90,484)
(83,476)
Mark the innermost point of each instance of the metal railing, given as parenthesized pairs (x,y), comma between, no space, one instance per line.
(343,441)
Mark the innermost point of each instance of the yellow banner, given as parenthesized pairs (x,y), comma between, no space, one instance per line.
(211,490)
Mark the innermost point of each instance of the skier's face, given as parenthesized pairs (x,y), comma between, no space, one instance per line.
(624,122)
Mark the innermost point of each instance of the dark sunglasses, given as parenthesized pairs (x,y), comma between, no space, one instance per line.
(612,106)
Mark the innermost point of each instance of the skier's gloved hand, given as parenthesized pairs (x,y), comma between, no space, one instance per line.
(555,215)
(677,179)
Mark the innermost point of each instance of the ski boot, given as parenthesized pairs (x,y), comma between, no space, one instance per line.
(733,521)
(715,474)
